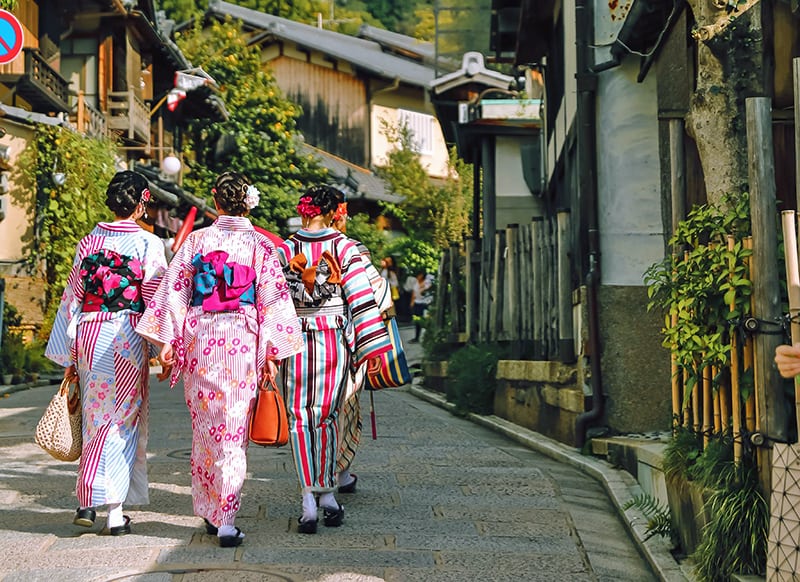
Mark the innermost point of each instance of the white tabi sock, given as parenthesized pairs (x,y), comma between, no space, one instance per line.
(328,501)
(309,507)
(115,517)
(345,478)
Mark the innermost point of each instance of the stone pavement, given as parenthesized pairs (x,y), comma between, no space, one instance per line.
(440,498)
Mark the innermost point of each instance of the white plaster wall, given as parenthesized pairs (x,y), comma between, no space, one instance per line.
(435,164)
(629,200)
(514,204)
(17,221)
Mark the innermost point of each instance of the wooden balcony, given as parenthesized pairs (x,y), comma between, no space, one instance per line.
(129,115)
(88,120)
(37,82)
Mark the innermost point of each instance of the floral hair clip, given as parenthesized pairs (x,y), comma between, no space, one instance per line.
(306,209)
(251,197)
(341,212)
(145,196)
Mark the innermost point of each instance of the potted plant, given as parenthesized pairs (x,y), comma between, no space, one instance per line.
(13,356)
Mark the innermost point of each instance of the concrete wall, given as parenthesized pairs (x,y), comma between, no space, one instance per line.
(634,365)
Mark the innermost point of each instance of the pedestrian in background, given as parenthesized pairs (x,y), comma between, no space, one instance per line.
(223,318)
(343,328)
(116,271)
(421,298)
(350,419)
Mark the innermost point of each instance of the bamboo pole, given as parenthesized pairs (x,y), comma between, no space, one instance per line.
(676,385)
(717,399)
(750,405)
(708,407)
(796,81)
(736,397)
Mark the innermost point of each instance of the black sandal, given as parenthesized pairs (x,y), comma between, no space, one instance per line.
(123,529)
(308,526)
(333,517)
(231,541)
(84,517)
(211,529)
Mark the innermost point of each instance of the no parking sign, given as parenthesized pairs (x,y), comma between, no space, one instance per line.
(10,37)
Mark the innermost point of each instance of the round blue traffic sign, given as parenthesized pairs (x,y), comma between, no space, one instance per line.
(10,37)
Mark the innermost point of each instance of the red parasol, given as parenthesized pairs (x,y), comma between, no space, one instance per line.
(276,240)
(185,229)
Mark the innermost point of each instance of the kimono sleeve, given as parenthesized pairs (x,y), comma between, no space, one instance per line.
(371,337)
(61,344)
(163,320)
(279,330)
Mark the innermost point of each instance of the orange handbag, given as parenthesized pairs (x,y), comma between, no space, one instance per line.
(269,425)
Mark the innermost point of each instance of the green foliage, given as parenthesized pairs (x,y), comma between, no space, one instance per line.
(435,214)
(659,521)
(735,538)
(471,381)
(63,214)
(681,453)
(362,229)
(697,286)
(412,255)
(262,125)
(12,355)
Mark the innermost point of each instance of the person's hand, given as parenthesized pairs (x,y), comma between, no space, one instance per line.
(166,372)
(270,371)
(374,365)
(166,357)
(788,360)
(70,372)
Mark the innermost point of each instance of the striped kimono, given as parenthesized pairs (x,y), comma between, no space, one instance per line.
(342,328)
(225,308)
(117,269)
(350,424)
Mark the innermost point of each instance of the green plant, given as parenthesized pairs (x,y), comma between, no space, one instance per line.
(735,539)
(697,284)
(659,521)
(12,355)
(35,360)
(681,453)
(471,381)
(63,212)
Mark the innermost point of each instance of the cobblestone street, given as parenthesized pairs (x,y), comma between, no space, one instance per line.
(439,499)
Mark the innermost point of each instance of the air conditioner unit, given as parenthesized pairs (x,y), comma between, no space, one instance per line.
(4,187)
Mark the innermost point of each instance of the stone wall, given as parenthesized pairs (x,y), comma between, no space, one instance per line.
(540,395)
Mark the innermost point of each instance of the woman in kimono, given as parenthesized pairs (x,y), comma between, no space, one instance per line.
(117,269)
(343,329)
(223,318)
(350,424)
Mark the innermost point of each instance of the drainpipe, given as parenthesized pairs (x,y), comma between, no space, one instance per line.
(587,178)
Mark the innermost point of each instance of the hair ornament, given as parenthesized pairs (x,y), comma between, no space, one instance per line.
(341,212)
(145,196)
(252,197)
(306,209)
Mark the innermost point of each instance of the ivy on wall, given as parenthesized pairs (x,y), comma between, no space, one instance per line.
(60,215)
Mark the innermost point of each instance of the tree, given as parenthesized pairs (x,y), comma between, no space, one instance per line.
(731,64)
(261,130)
(431,213)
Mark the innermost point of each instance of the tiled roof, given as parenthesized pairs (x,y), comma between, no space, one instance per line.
(364,54)
(360,181)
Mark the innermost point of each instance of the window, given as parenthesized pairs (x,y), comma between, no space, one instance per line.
(421,127)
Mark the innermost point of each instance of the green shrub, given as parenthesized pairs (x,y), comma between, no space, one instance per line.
(471,380)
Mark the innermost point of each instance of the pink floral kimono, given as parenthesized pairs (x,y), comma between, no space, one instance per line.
(225,308)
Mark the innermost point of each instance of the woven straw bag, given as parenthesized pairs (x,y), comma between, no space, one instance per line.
(59,430)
